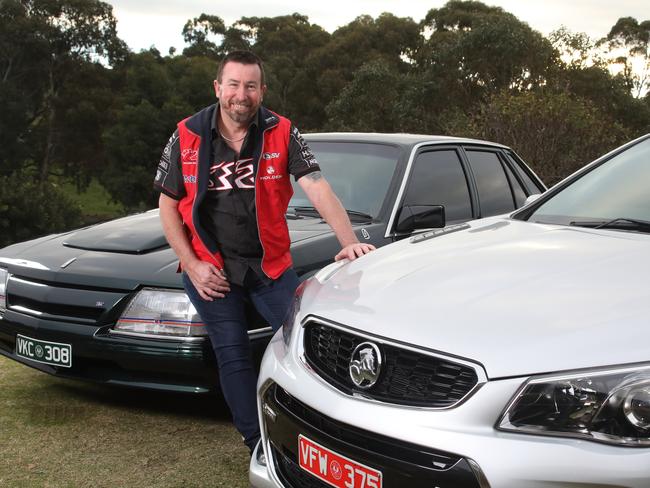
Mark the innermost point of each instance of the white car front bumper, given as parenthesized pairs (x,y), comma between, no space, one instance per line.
(497,459)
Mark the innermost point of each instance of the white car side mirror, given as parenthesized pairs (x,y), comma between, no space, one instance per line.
(532,198)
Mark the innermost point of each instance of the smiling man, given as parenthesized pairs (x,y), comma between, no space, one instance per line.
(224,183)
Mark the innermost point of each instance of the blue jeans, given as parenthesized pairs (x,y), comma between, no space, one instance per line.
(226,324)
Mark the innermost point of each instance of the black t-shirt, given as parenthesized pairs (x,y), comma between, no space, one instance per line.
(228,211)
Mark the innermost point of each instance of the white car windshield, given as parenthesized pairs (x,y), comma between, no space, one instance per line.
(614,195)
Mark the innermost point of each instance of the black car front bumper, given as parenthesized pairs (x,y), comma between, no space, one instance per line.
(100,355)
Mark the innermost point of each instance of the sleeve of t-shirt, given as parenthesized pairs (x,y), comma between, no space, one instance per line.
(301,160)
(169,176)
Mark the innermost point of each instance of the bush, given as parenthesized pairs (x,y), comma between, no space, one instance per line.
(555,133)
(28,211)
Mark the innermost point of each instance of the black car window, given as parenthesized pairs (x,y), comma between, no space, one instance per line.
(517,190)
(438,178)
(492,184)
(531,186)
(359,173)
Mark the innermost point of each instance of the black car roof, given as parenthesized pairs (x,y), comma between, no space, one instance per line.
(398,139)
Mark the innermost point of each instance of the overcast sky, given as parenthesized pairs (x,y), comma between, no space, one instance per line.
(146,23)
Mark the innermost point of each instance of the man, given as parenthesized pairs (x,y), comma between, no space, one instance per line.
(224,183)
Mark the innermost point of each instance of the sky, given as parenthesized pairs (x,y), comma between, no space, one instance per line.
(146,23)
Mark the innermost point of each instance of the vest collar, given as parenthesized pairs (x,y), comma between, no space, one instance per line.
(206,117)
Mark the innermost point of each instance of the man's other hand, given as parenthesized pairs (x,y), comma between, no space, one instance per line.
(208,280)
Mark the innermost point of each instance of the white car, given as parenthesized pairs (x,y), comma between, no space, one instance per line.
(506,352)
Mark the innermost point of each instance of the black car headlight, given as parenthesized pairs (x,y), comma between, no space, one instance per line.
(161,312)
(4,276)
(606,406)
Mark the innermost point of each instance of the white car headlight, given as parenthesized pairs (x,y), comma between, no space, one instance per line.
(292,313)
(4,276)
(611,407)
(321,277)
(161,312)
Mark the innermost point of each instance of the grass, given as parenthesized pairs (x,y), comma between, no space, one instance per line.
(58,433)
(95,202)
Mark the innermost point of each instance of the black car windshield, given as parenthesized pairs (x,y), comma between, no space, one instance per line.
(359,173)
(614,195)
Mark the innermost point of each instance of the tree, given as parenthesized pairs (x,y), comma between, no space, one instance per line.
(584,72)
(388,39)
(196,33)
(286,44)
(369,102)
(44,44)
(82,112)
(556,133)
(28,210)
(478,50)
(157,93)
(629,40)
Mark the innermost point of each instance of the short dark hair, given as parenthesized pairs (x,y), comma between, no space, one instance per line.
(242,57)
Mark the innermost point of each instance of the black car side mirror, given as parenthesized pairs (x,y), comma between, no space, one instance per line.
(414,217)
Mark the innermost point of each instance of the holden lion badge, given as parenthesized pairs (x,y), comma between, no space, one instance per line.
(365,365)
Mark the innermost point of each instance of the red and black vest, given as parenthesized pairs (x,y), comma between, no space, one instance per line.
(272,186)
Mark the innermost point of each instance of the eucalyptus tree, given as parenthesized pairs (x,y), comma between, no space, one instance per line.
(287,44)
(629,41)
(479,49)
(155,93)
(45,48)
(387,39)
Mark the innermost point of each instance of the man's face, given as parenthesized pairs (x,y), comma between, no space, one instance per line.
(240,91)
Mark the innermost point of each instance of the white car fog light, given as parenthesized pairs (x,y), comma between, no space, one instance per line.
(161,312)
(611,407)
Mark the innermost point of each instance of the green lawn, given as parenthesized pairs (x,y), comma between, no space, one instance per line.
(95,202)
(58,433)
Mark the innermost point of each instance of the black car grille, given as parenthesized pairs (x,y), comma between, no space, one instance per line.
(54,309)
(407,377)
(55,301)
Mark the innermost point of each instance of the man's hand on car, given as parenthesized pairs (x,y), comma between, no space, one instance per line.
(354,251)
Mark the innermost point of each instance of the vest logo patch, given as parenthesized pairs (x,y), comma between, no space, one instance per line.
(271,177)
(191,179)
(273,155)
(229,174)
(270,174)
(189,156)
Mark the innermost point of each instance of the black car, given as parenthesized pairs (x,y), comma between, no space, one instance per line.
(105,303)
